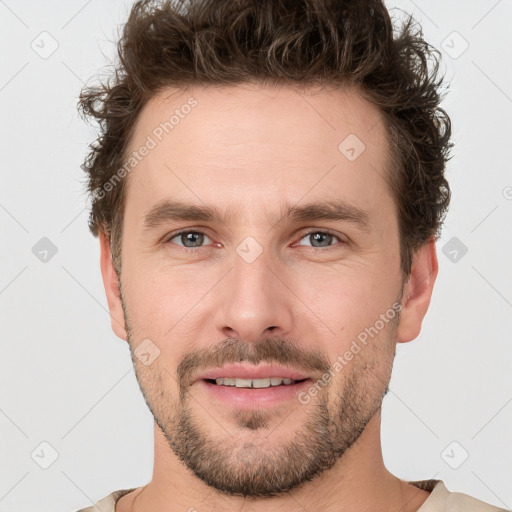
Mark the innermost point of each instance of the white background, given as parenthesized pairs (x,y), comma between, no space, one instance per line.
(68,381)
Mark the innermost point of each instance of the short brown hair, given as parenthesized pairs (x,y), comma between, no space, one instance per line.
(181,43)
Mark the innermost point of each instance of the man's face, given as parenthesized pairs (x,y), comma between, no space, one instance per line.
(258,287)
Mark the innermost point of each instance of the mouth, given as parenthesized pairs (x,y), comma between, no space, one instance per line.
(242,375)
(250,394)
(245,386)
(264,383)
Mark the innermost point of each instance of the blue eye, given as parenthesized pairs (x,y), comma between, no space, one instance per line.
(321,237)
(195,239)
(192,237)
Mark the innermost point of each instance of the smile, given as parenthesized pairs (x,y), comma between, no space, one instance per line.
(253,383)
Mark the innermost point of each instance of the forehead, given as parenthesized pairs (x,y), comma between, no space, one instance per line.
(252,113)
(257,143)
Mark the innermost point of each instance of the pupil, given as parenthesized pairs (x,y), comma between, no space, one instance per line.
(191,237)
(317,235)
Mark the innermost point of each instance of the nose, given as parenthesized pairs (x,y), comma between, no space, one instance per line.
(255,301)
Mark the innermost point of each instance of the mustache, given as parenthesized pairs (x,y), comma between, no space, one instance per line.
(274,350)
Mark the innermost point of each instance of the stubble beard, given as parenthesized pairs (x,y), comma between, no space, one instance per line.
(256,468)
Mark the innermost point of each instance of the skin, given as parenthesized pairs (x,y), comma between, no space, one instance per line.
(251,148)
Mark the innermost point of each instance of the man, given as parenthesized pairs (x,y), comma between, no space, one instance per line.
(267,192)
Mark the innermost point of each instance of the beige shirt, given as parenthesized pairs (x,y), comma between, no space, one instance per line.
(440,500)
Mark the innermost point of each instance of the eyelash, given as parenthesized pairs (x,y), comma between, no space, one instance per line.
(313,231)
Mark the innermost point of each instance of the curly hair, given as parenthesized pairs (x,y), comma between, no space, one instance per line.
(180,43)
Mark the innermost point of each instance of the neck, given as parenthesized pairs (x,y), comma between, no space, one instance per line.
(358,482)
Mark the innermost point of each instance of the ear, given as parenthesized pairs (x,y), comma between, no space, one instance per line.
(111,283)
(417,292)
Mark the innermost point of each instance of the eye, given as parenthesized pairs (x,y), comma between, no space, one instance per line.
(322,238)
(188,239)
(195,239)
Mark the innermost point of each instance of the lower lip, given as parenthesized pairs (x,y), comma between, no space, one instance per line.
(247,398)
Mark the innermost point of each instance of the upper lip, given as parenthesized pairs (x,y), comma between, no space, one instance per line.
(252,372)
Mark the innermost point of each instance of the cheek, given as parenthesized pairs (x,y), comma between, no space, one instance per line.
(348,297)
(162,301)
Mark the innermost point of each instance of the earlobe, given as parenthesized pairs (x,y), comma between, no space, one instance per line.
(418,292)
(111,284)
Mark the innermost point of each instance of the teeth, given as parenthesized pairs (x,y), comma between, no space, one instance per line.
(243,383)
(253,383)
(261,383)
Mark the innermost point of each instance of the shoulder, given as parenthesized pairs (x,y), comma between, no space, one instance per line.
(108,503)
(441,499)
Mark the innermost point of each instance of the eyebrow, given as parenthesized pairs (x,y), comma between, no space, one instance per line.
(335,210)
